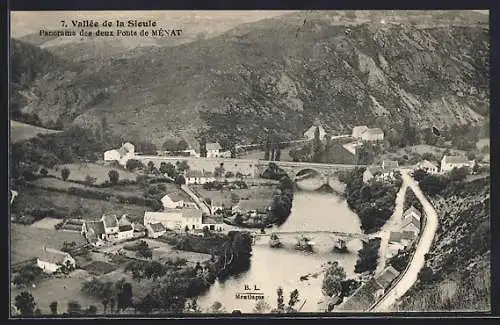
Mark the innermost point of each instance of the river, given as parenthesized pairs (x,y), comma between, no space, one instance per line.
(274,267)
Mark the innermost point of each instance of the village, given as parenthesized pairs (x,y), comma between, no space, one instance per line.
(196,196)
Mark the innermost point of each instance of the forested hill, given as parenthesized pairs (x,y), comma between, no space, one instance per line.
(279,74)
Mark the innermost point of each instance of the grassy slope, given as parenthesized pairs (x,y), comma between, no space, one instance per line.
(460,256)
(21,131)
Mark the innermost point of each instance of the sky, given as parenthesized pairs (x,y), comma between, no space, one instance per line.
(26,22)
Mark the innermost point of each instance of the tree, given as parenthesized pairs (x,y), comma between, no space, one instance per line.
(182,145)
(92,310)
(180,180)
(114,176)
(168,168)
(217,308)
(133,164)
(124,295)
(144,251)
(43,172)
(317,155)
(53,307)
(27,275)
(170,145)
(458,174)
(419,174)
(183,166)
(280,305)
(332,280)
(151,166)
(294,298)
(38,312)
(261,307)
(74,307)
(65,173)
(471,156)
(25,303)
(89,180)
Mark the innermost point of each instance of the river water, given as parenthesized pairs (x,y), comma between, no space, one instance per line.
(274,267)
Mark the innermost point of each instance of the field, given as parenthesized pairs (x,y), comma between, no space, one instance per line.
(99,267)
(80,171)
(21,131)
(421,149)
(27,241)
(46,223)
(261,195)
(61,290)
(35,198)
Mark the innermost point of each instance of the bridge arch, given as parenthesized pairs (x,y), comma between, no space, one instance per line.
(306,173)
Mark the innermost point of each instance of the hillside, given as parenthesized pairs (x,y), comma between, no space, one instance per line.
(281,73)
(456,276)
(22,131)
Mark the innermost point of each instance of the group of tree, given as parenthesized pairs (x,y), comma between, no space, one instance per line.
(274,172)
(173,145)
(281,205)
(368,256)
(27,275)
(411,200)
(373,202)
(116,296)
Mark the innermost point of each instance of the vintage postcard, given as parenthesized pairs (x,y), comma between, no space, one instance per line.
(249,162)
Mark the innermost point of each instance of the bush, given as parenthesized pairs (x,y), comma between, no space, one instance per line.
(368,256)
(65,173)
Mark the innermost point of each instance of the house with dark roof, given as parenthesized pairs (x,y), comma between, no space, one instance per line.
(155,230)
(94,232)
(125,228)
(388,275)
(51,260)
(363,298)
(215,223)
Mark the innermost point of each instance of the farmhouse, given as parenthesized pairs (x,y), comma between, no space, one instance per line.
(412,211)
(411,223)
(366,134)
(388,275)
(122,155)
(357,131)
(180,220)
(50,260)
(213,149)
(213,223)
(172,201)
(155,230)
(374,134)
(399,241)
(383,172)
(109,228)
(309,134)
(198,177)
(428,166)
(450,162)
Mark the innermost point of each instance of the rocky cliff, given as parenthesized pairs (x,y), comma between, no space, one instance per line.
(280,73)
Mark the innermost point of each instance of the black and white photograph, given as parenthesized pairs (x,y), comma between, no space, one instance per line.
(269,162)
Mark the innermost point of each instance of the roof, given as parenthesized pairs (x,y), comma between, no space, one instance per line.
(213,146)
(455,160)
(94,229)
(138,227)
(168,214)
(408,235)
(124,221)
(199,173)
(157,227)
(212,220)
(110,220)
(53,256)
(360,127)
(412,209)
(390,164)
(395,236)
(411,220)
(374,131)
(191,213)
(174,196)
(255,204)
(363,298)
(374,169)
(387,276)
(128,147)
(427,164)
(125,228)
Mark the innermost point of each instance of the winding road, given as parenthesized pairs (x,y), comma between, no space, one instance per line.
(418,260)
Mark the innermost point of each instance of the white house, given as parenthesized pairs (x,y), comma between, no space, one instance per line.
(50,260)
(176,219)
(428,166)
(358,130)
(125,228)
(111,228)
(383,172)
(198,177)
(172,201)
(412,211)
(374,134)
(450,162)
(411,223)
(213,149)
(213,223)
(122,155)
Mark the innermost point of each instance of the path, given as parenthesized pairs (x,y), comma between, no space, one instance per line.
(393,224)
(418,260)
